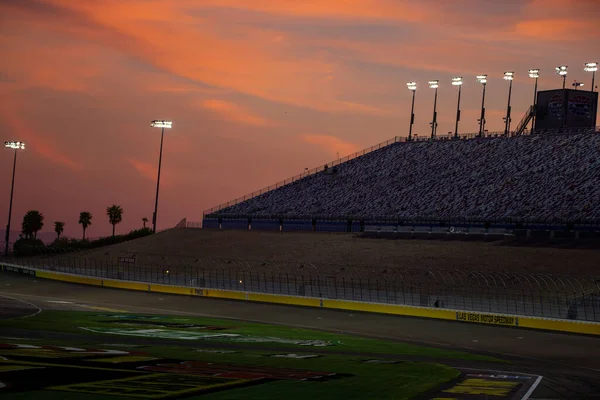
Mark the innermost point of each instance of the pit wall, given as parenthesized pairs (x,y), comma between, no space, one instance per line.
(581,327)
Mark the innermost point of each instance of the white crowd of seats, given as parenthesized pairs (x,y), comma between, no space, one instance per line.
(538,177)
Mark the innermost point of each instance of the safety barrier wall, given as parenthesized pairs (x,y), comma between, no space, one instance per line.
(340,224)
(536,295)
(589,328)
(265,225)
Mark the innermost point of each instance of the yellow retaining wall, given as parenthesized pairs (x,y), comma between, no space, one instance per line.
(558,325)
(589,328)
(125,285)
(390,309)
(84,280)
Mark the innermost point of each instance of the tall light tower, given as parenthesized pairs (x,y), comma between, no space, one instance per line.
(434,85)
(592,67)
(162,124)
(16,146)
(562,71)
(457,82)
(508,76)
(412,86)
(483,80)
(535,74)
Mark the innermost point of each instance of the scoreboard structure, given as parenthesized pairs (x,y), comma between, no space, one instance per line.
(566,108)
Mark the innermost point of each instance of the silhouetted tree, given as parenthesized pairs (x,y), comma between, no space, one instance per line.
(85,220)
(59,227)
(115,215)
(145,221)
(33,221)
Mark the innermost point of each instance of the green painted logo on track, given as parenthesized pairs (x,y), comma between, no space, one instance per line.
(194,335)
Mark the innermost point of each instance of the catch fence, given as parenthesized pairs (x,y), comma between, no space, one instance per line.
(527,294)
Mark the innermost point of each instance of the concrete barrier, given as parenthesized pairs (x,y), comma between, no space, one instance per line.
(581,327)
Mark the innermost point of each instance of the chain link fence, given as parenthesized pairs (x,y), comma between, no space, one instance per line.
(527,294)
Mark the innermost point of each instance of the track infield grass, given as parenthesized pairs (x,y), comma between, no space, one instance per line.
(121,371)
(220,333)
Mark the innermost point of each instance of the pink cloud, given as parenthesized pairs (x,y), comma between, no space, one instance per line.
(234,112)
(332,145)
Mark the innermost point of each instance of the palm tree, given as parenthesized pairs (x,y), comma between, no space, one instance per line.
(59,227)
(33,221)
(115,215)
(85,220)
(144,220)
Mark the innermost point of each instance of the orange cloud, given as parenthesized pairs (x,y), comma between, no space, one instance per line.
(332,144)
(397,10)
(233,112)
(145,169)
(39,142)
(557,29)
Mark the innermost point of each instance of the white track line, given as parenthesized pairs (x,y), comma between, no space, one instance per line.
(39,310)
(532,388)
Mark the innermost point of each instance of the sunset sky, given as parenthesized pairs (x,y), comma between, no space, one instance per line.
(257,90)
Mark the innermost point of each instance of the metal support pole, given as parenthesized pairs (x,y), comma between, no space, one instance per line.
(12,189)
(507,125)
(593,81)
(564,81)
(154,217)
(457,113)
(412,116)
(482,118)
(434,123)
(534,105)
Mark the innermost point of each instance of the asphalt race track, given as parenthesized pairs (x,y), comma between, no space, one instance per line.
(569,364)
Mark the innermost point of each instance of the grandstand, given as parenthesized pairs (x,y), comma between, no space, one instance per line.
(549,179)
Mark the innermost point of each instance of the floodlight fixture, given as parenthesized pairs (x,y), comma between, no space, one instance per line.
(161,124)
(412,86)
(562,70)
(457,81)
(534,73)
(509,76)
(592,67)
(434,85)
(577,84)
(15,145)
(483,80)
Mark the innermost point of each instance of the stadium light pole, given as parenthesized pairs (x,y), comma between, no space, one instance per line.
(412,86)
(562,71)
(434,85)
(16,146)
(162,124)
(592,67)
(577,84)
(458,81)
(508,76)
(483,80)
(535,74)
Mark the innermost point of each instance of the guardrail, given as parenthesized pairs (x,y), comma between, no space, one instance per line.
(539,295)
(590,328)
